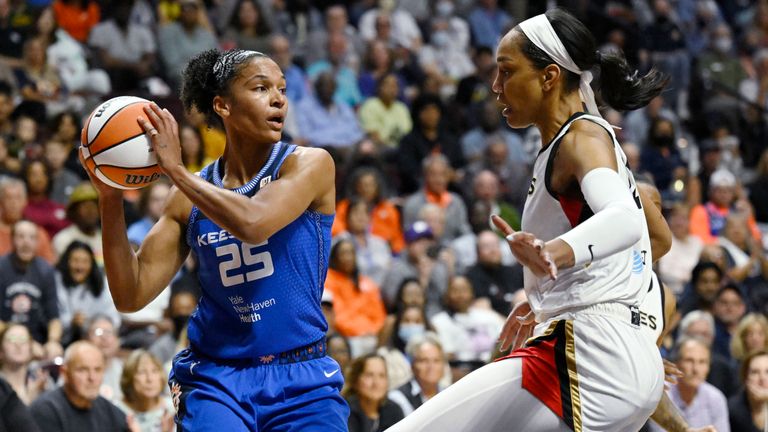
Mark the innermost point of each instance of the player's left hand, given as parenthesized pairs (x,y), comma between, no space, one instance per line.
(527,249)
(518,328)
(163,132)
(671,373)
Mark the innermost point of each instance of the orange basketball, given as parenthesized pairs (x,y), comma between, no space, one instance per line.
(115,148)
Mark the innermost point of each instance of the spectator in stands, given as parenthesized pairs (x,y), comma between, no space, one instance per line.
(125,49)
(411,322)
(514,176)
(365,389)
(377,62)
(445,56)
(700,403)
(102,333)
(437,174)
(324,121)
(403,29)
(295,78)
(182,304)
(336,22)
(151,203)
(675,266)
(746,257)
(62,179)
(706,281)
(343,69)
(41,209)
(39,84)
(428,136)
(192,148)
(660,156)
(28,290)
(468,333)
(410,293)
(66,128)
(144,403)
(488,23)
(701,325)
(490,129)
(750,336)
(14,415)
(77,17)
(718,66)
(248,28)
(428,365)
(6,108)
(708,220)
(83,211)
(70,60)
(729,308)
(417,263)
(747,408)
(368,184)
(373,254)
(339,350)
(494,283)
(16,364)
(179,41)
(82,291)
(357,302)
(637,123)
(77,406)
(13,201)
(383,117)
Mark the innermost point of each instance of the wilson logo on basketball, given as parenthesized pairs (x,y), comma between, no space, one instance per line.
(102,108)
(134,179)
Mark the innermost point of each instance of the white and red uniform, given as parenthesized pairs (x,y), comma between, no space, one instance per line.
(589,366)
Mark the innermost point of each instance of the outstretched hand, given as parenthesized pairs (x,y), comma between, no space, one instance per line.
(527,249)
(518,328)
(163,134)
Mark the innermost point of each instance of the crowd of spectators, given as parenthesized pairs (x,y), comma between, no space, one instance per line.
(419,285)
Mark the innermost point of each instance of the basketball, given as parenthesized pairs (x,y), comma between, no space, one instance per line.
(116,148)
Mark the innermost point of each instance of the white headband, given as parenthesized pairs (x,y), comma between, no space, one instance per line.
(540,32)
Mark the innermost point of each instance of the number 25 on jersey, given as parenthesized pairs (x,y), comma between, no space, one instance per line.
(234,270)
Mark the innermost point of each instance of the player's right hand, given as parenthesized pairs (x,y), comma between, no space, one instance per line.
(518,328)
(527,249)
(102,188)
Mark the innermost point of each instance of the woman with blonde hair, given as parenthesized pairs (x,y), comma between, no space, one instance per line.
(751,335)
(142,383)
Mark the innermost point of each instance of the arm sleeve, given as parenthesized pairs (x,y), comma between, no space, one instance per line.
(616,223)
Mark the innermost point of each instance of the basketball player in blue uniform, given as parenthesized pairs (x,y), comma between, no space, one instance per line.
(259,220)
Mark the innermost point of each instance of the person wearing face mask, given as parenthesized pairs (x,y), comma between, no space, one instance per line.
(180,307)
(719,66)
(660,156)
(445,56)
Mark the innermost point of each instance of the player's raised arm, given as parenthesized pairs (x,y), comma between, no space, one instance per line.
(135,279)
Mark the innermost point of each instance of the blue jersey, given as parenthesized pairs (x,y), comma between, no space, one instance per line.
(258,299)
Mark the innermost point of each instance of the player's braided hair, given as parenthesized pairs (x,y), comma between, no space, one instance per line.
(209,74)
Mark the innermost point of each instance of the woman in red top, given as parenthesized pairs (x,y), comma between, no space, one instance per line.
(77,17)
(366,183)
(357,300)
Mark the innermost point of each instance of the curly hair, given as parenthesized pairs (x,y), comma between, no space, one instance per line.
(208,75)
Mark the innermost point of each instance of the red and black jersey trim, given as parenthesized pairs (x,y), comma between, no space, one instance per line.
(549,372)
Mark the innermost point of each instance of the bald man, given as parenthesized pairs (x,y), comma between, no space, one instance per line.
(77,406)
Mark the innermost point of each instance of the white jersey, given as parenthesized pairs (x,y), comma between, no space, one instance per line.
(621,278)
(652,317)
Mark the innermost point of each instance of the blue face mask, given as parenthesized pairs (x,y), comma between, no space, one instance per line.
(408,331)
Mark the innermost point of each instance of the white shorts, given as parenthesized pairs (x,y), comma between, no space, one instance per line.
(591,370)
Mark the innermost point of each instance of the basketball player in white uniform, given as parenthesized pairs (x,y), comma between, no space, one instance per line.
(585,247)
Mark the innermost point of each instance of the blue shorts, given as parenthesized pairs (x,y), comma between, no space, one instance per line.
(235,396)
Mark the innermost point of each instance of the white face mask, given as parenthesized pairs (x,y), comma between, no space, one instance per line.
(440,38)
(409,330)
(444,8)
(723,44)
